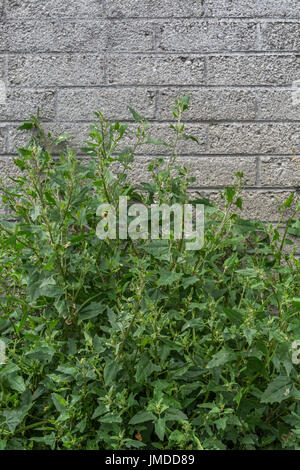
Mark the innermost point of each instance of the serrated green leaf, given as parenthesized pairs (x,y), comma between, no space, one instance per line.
(160,427)
(111,418)
(167,278)
(172,414)
(16,382)
(189,281)
(94,309)
(277,391)
(142,417)
(111,370)
(220,358)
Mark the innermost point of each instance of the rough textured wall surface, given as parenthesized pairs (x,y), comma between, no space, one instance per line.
(237,58)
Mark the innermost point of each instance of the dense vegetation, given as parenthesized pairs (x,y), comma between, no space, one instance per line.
(132,344)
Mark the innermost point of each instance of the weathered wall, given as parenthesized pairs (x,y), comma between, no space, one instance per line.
(237,58)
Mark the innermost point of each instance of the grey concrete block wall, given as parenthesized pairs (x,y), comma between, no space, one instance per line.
(237,58)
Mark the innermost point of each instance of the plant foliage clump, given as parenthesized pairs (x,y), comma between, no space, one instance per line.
(141,344)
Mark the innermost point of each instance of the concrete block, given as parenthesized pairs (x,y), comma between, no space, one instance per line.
(20,104)
(254,139)
(278,8)
(78,105)
(253,8)
(280,171)
(79,131)
(154,69)
(257,205)
(53,36)
(163,132)
(154,9)
(54,9)
(56,70)
(206,36)
(253,70)
(130,36)
(208,171)
(277,104)
(280,36)
(210,104)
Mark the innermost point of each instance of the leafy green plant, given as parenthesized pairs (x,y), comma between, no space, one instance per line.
(132,344)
